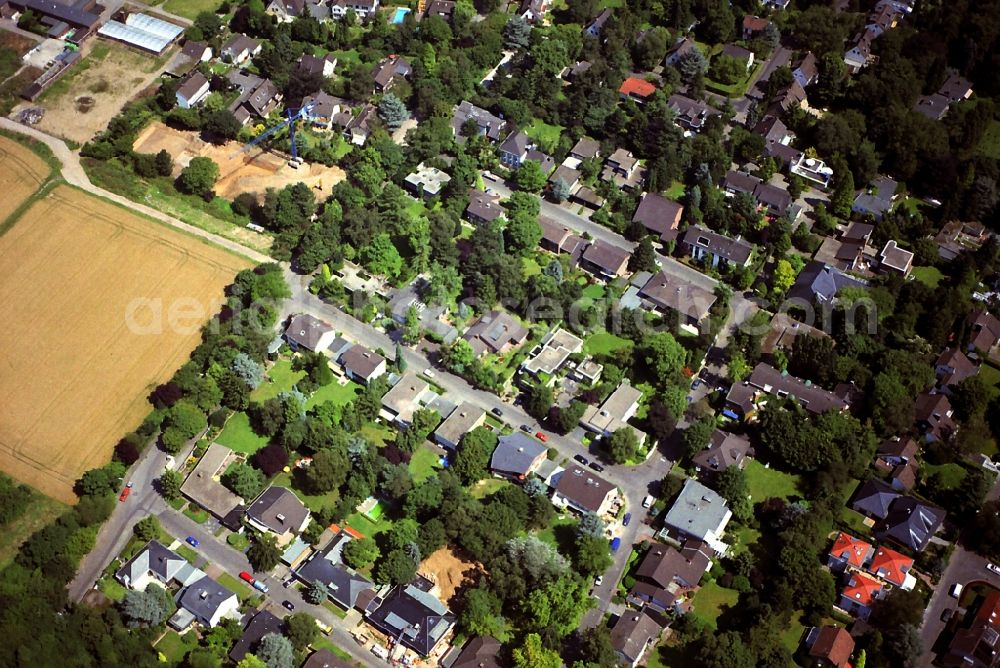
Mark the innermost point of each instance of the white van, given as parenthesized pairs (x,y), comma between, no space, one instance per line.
(956,590)
(380,652)
(648,501)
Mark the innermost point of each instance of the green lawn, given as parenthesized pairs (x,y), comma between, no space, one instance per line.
(189,554)
(423,464)
(327,644)
(549,534)
(196,514)
(747,536)
(989,145)
(41,510)
(929,276)
(190,8)
(990,374)
(791,637)
(484,488)
(855,521)
(737,89)
(377,435)
(675,191)
(335,609)
(529,267)
(237,586)
(281,379)
(110,588)
(360,523)
(764,483)
(335,392)
(239,436)
(175,647)
(238,541)
(948,476)
(313,503)
(547,136)
(603,343)
(710,601)
(594,291)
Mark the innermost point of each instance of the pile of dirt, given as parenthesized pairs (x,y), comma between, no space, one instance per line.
(450,571)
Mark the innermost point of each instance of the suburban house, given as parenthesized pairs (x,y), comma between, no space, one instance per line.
(633,634)
(933,414)
(404,398)
(957,238)
(767,380)
(742,55)
(666,574)
(668,293)
(257,101)
(551,354)
(156,564)
(723,451)
(772,199)
(486,123)
(203,488)
(715,249)
(430,318)
(830,646)
(285,10)
(753,26)
(315,66)
(462,420)
(978,645)
(570,73)
(806,73)
(362,365)
(363,9)
(849,552)
(588,198)
(895,452)
(614,414)
(605,261)
(585,149)
(324,658)
(206,602)
(557,238)
(877,199)
(239,48)
(307,332)
(518,147)
(812,169)
(256,628)
(623,169)
(691,114)
(636,89)
(358,128)
(859,593)
(533,11)
(278,511)
(892,567)
(568,175)
(594,27)
(896,260)
(385,72)
(496,333)
(479,652)
(443,9)
(192,91)
(952,367)
(910,523)
(735,183)
(413,616)
(679,50)
(698,513)
(426,181)
(984,332)
(483,207)
(820,283)
(343,584)
(873,498)
(324,108)
(517,456)
(659,215)
(584,491)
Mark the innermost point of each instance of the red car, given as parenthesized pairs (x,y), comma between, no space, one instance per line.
(126,491)
(246,576)
(542,437)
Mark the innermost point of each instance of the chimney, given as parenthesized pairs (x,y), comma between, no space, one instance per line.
(280,517)
(203,595)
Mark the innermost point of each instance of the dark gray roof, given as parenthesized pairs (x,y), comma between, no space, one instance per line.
(606,257)
(724,451)
(480,652)
(668,291)
(192,85)
(777,200)
(483,205)
(279,510)
(737,52)
(818,280)
(390,68)
(203,598)
(736,251)
(631,634)
(343,583)
(360,361)
(418,618)
(873,498)
(489,124)
(515,453)
(72,14)
(259,626)
(239,43)
(813,398)
(912,523)
(154,558)
(740,182)
(516,143)
(586,148)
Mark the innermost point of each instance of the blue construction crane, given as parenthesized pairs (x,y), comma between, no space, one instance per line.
(293,116)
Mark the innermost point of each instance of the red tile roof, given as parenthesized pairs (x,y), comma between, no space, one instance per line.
(989,611)
(637,87)
(853,550)
(834,645)
(862,589)
(890,565)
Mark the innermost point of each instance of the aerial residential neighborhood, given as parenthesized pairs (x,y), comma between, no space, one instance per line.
(500,334)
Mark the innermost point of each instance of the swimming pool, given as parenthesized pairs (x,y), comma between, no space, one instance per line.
(400,14)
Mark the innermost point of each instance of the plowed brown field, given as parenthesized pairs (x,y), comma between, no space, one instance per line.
(83,285)
(21,173)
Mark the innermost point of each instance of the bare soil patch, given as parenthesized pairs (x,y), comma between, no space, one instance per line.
(251,172)
(88,293)
(21,174)
(450,571)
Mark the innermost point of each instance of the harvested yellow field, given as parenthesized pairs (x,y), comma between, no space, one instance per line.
(100,307)
(21,174)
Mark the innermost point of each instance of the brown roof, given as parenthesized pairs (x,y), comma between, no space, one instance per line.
(585,488)
(660,215)
(755,23)
(899,447)
(586,148)
(671,292)
(985,330)
(361,361)
(608,258)
(815,399)
(663,565)
(192,85)
(834,645)
(483,205)
(553,232)
(306,330)
(724,451)
(480,652)
(960,365)
(494,331)
(279,510)
(632,633)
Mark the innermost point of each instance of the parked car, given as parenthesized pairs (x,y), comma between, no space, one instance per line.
(615,544)
(540,435)
(380,652)
(580,458)
(125,493)
(288,605)
(192,541)
(526,428)
(956,590)
(246,577)
(496,411)
(696,384)
(429,373)
(360,638)
(597,467)
(626,519)
(260,586)
(947,614)
(599,581)
(993,568)
(648,501)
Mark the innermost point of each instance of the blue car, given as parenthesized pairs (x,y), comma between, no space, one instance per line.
(615,544)
(192,541)
(626,519)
